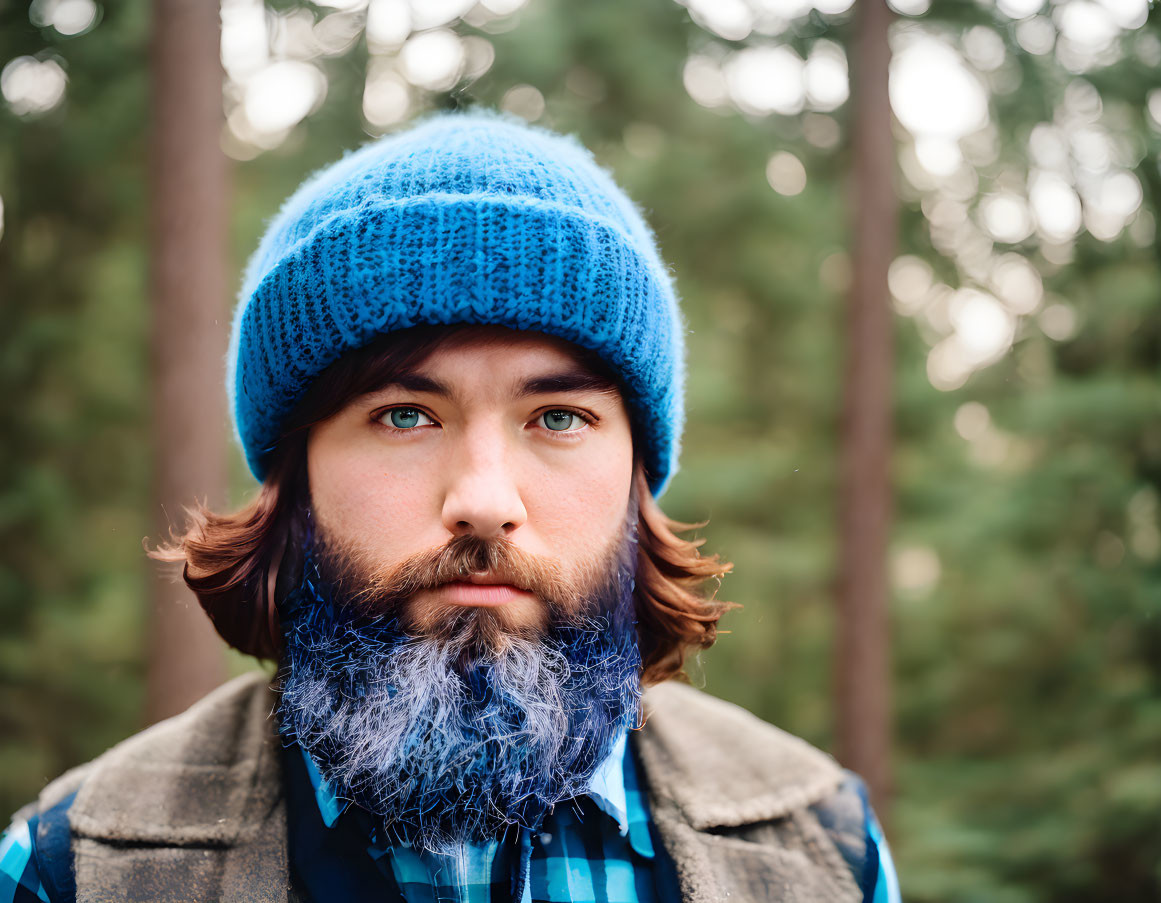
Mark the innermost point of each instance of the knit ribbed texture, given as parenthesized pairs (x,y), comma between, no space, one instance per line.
(466,217)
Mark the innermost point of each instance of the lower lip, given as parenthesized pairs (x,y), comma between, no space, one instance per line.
(481,594)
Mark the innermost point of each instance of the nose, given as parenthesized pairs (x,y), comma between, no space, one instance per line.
(483,497)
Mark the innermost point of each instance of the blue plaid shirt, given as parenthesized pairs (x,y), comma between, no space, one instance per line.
(598,848)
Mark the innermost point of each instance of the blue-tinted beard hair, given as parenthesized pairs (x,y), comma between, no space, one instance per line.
(448,749)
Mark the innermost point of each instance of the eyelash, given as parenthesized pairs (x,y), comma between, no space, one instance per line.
(557,435)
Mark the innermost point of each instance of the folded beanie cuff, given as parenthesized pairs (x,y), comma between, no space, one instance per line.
(443,258)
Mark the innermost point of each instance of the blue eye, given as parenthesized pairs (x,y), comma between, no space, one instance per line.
(405,418)
(559,421)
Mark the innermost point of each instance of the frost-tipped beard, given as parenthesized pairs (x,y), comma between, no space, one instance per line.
(451,735)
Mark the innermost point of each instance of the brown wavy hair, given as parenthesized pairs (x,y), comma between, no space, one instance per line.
(238,567)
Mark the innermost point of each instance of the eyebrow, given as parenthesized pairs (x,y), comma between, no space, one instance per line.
(548,384)
(567,381)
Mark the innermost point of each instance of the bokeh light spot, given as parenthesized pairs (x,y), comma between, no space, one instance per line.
(32,86)
(786,174)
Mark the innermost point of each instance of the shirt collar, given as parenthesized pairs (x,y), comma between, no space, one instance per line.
(329,805)
(613,787)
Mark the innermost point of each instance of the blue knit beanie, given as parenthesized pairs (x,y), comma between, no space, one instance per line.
(466,217)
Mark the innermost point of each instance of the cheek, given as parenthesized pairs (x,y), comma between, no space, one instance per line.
(581,510)
(359,500)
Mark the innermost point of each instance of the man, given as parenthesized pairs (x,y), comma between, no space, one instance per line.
(457,369)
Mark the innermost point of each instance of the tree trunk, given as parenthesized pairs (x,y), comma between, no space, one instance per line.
(862,647)
(187,283)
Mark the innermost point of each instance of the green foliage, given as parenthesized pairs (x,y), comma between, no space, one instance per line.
(72,371)
(1027,670)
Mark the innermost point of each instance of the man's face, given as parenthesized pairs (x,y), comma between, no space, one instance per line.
(499,435)
(449,707)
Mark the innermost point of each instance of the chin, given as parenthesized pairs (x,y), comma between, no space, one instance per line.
(489,627)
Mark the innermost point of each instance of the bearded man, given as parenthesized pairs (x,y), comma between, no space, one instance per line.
(457,369)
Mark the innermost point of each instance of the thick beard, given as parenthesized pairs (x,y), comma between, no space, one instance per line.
(456,737)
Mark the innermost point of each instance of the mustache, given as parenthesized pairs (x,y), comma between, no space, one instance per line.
(370,588)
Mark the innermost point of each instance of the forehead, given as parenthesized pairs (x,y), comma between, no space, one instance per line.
(462,362)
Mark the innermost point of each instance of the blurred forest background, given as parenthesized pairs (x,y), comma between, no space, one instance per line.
(1025,555)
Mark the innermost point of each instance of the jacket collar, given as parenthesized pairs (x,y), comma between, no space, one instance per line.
(198,795)
(721,766)
(226,789)
(203,791)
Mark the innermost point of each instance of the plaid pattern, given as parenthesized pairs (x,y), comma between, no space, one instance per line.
(19,879)
(595,849)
